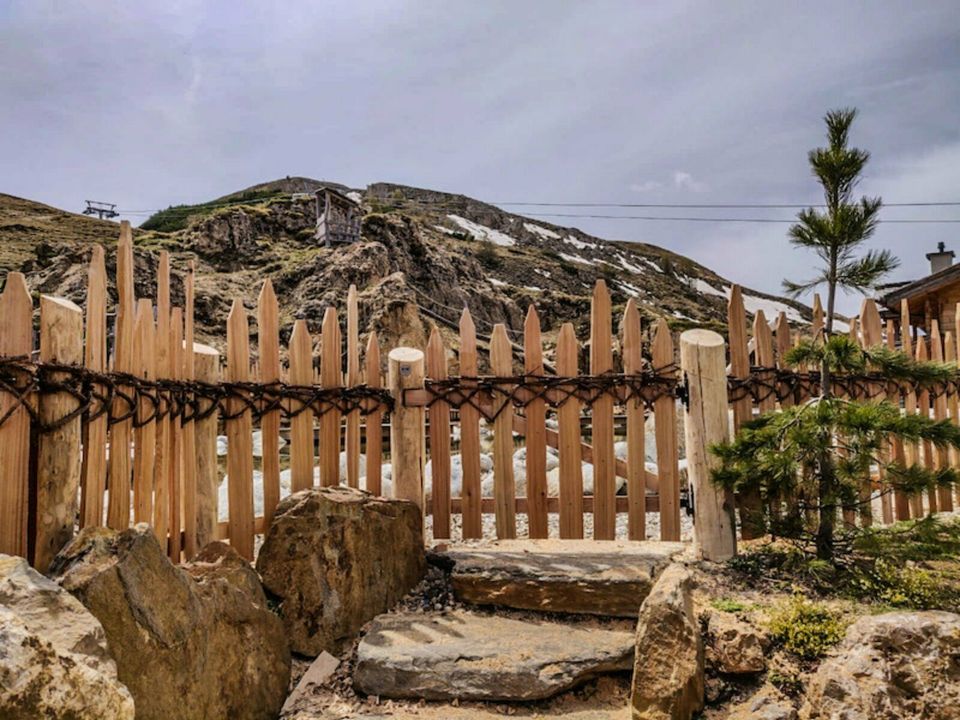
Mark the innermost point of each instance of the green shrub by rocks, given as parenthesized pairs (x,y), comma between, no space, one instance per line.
(805,628)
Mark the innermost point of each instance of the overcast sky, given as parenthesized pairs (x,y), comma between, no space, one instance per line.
(148,104)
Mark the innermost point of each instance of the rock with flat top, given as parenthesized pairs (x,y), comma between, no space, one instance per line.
(896,666)
(468,656)
(668,675)
(607,578)
(54,661)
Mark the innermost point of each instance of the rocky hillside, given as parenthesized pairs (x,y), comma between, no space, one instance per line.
(423,256)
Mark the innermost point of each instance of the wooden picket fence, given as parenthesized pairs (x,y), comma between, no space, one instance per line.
(112,433)
(764,349)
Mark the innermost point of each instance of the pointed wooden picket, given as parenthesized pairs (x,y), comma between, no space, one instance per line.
(189,430)
(94,471)
(536,436)
(330,377)
(161,490)
(472,519)
(439,417)
(121,433)
(568,420)
(145,434)
(940,456)
(268,341)
(604,460)
(636,453)
(301,424)
(239,436)
(374,421)
(504,487)
(665,429)
(751,519)
(352,438)
(16,341)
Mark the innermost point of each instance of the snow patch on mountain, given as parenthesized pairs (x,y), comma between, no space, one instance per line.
(483,232)
(541,232)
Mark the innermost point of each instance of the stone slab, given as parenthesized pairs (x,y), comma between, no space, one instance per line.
(468,656)
(606,578)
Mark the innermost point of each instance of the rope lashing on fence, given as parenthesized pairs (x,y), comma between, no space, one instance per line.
(765,382)
(121,396)
(490,396)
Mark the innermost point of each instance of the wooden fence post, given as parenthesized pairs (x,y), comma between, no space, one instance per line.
(206,363)
(16,340)
(268,339)
(504,485)
(58,455)
(705,422)
(407,439)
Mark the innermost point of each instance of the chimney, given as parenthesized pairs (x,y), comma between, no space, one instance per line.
(941,259)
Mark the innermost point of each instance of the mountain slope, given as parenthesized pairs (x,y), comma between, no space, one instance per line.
(423,256)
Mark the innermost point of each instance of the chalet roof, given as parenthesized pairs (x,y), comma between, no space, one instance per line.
(336,193)
(919,288)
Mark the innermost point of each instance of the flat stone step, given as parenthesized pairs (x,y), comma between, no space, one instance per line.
(468,656)
(607,578)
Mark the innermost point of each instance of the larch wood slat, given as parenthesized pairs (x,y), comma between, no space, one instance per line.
(175,447)
(941,457)
(94,468)
(911,449)
(636,452)
(301,425)
(58,451)
(784,342)
(536,441)
(352,438)
(950,356)
(568,419)
(16,340)
(374,420)
(901,501)
(268,348)
(923,407)
(601,363)
(817,322)
(161,490)
(439,414)
(871,330)
(121,433)
(504,486)
(239,436)
(472,520)
(751,518)
(145,435)
(330,377)
(665,429)
(189,430)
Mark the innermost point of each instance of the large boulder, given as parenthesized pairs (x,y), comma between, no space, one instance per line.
(335,558)
(467,656)
(54,661)
(186,648)
(735,646)
(668,672)
(900,665)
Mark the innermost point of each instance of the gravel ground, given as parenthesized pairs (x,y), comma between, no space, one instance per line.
(553,523)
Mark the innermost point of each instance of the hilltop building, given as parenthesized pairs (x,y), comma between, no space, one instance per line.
(338,217)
